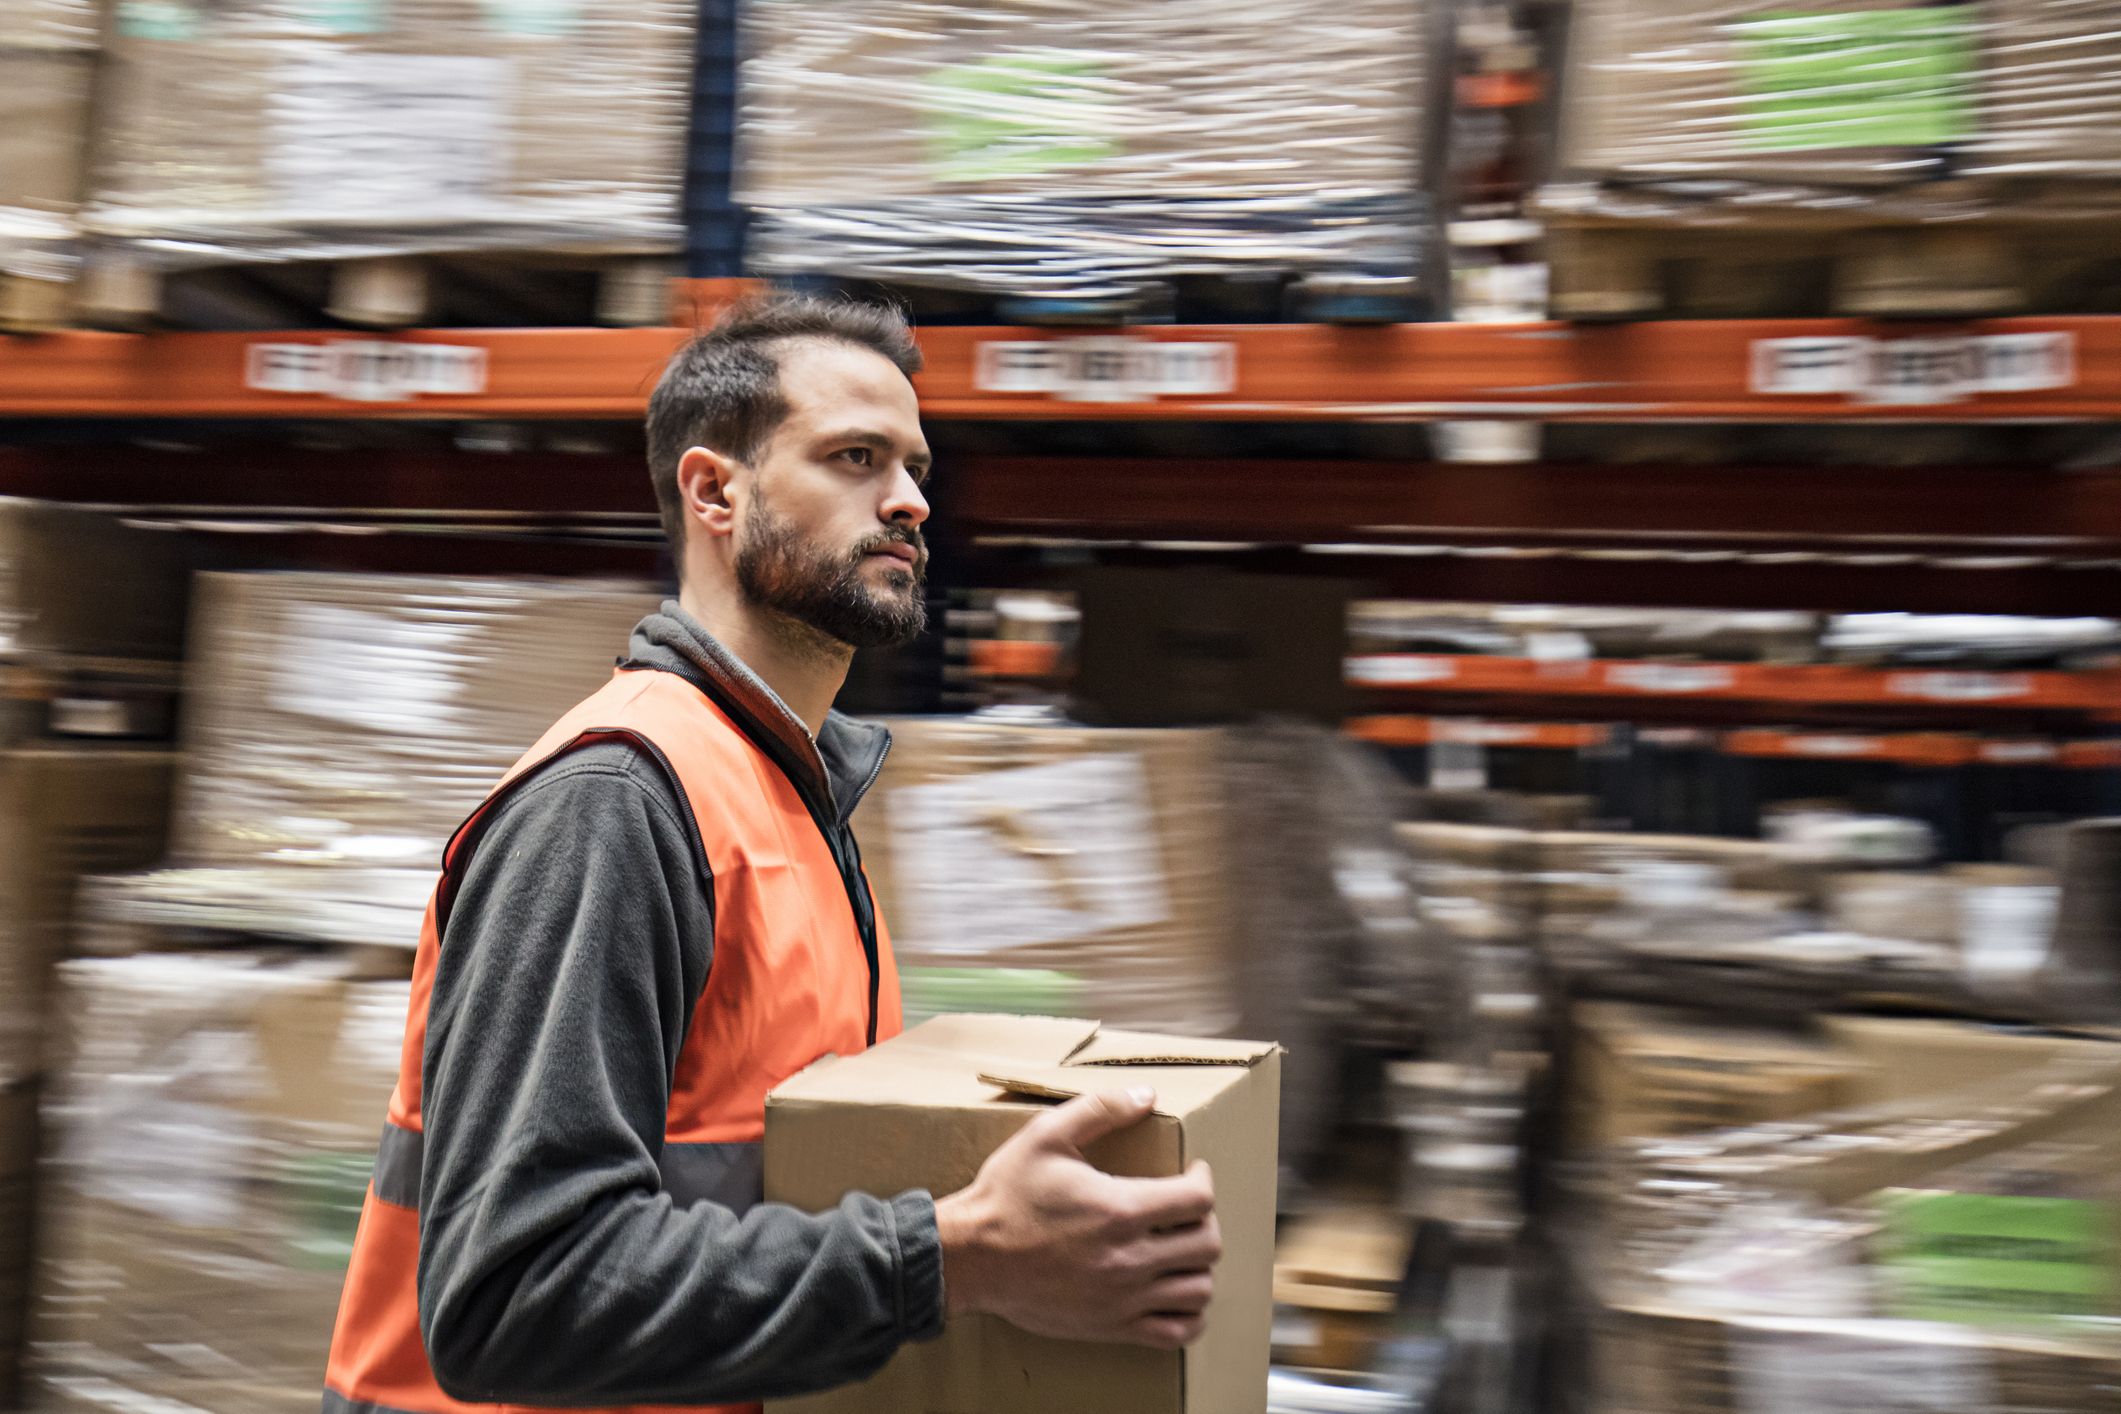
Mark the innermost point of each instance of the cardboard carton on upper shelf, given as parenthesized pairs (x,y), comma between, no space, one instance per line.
(925,1109)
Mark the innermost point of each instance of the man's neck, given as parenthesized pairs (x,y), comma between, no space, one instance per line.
(804,668)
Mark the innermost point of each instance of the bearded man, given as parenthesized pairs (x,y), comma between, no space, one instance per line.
(660,914)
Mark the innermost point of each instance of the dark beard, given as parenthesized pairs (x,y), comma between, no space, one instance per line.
(778,570)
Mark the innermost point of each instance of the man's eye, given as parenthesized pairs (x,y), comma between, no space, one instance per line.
(860,456)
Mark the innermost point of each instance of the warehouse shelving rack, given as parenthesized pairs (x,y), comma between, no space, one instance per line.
(1736,534)
(2003,370)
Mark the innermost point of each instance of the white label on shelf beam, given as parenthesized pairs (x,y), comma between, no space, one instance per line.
(1399,669)
(2027,363)
(1670,677)
(1922,372)
(1106,368)
(1833,745)
(366,370)
(2019,753)
(1914,372)
(1808,367)
(1959,687)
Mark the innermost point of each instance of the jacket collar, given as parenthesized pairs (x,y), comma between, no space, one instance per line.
(834,772)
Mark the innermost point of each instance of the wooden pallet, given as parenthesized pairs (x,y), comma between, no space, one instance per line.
(1773,265)
(31,304)
(119,290)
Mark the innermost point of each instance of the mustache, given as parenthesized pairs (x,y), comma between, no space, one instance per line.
(884,539)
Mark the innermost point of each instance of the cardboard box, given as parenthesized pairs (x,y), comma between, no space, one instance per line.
(1073,98)
(926,1108)
(1094,854)
(2053,105)
(1915,1058)
(1642,1072)
(1639,1072)
(43,139)
(1660,1357)
(65,812)
(295,130)
(1338,1274)
(213,1132)
(358,718)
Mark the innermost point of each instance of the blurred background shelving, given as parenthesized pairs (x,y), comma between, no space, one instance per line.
(1576,544)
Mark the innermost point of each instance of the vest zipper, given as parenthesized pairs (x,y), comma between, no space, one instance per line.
(845,854)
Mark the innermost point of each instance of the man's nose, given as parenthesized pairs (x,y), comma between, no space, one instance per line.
(904,504)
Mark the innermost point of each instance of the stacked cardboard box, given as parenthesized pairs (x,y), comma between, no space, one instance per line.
(214,1124)
(82,674)
(341,728)
(1338,1274)
(336,128)
(1064,148)
(47,65)
(1096,854)
(1859,1211)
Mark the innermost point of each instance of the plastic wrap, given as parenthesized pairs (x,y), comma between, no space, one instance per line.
(1676,111)
(310,129)
(1092,853)
(47,62)
(1065,148)
(213,1131)
(1952,1250)
(341,726)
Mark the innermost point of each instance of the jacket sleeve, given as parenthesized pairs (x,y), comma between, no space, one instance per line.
(553,1268)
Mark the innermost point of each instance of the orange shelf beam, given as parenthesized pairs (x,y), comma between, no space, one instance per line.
(1827,684)
(1688,370)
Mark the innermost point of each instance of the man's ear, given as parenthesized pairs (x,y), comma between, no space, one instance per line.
(704,480)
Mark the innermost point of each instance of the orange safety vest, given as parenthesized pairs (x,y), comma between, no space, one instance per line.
(790,980)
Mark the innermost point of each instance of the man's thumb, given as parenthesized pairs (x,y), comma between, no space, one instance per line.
(1088,1118)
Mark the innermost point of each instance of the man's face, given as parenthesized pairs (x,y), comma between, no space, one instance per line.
(830,528)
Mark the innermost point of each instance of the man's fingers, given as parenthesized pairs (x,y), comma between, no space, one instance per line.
(1179,1294)
(1186,1249)
(1161,1332)
(1174,1202)
(1088,1118)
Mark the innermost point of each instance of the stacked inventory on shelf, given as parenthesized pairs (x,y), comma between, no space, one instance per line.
(47,57)
(1882,159)
(1764,1197)
(1072,160)
(218,1078)
(347,139)
(85,779)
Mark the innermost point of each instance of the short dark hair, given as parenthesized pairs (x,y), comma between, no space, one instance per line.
(723,389)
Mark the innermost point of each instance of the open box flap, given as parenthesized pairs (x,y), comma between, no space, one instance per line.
(1185,1071)
(1146,1048)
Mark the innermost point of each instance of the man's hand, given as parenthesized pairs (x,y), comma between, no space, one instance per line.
(1051,1244)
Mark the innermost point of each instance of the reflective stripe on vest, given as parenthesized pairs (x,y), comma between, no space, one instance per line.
(789,980)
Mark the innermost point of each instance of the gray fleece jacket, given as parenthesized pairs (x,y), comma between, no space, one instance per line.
(557,1267)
